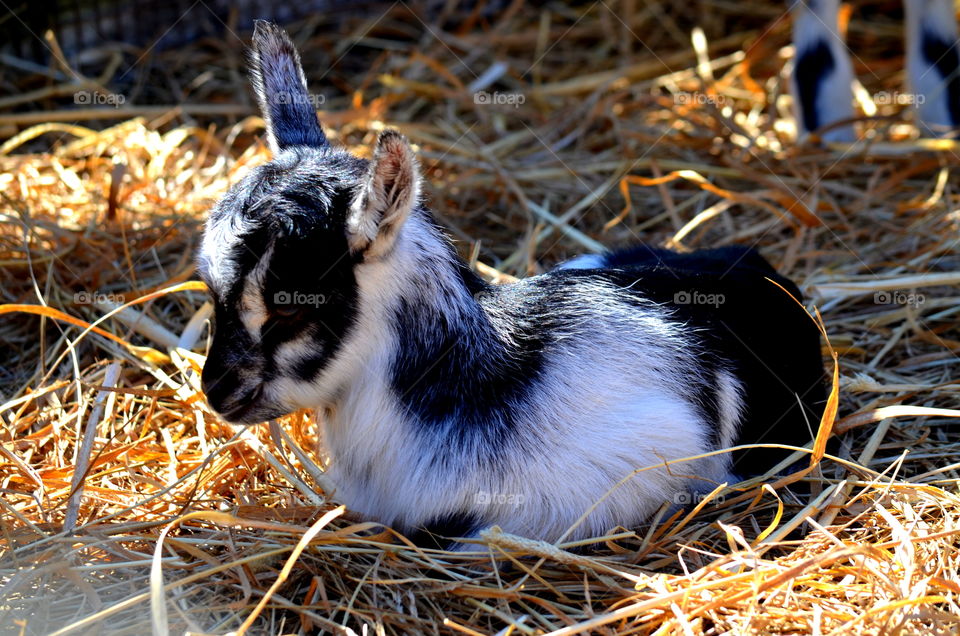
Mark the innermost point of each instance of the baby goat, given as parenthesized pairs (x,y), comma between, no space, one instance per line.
(822,80)
(450,404)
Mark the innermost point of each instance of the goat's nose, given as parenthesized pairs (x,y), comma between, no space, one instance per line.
(218,385)
(237,404)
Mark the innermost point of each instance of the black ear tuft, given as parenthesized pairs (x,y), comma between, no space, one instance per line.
(282,90)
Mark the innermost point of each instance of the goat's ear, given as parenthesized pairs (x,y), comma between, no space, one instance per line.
(390,192)
(282,90)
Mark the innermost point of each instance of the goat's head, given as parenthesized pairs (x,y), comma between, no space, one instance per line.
(281,248)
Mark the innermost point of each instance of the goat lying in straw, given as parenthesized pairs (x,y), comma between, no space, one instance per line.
(451,405)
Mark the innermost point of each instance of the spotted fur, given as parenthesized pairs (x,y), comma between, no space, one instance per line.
(450,404)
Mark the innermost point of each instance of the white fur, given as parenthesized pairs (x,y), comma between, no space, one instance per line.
(584,261)
(731,407)
(218,239)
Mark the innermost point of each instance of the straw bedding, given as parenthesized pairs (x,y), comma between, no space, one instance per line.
(128,506)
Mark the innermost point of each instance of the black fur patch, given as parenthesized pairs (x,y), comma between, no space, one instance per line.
(438,533)
(813,65)
(312,274)
(462,374)
(227,356)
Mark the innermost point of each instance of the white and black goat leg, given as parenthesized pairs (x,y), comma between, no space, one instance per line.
(933,64)
(822,77)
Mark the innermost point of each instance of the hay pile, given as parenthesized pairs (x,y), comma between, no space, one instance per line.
(127,504)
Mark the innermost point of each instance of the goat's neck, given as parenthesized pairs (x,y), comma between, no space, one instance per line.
(418,290)
(437,286)
(420,314)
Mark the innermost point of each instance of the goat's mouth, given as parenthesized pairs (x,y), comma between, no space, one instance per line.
(237,413)
(250,409)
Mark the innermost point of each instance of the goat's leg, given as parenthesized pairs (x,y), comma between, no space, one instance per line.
(933,64)
(822,78)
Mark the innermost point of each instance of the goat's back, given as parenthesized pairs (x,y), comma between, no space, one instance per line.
(747,315)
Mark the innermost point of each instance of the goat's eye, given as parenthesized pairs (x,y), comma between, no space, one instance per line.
(287,311)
